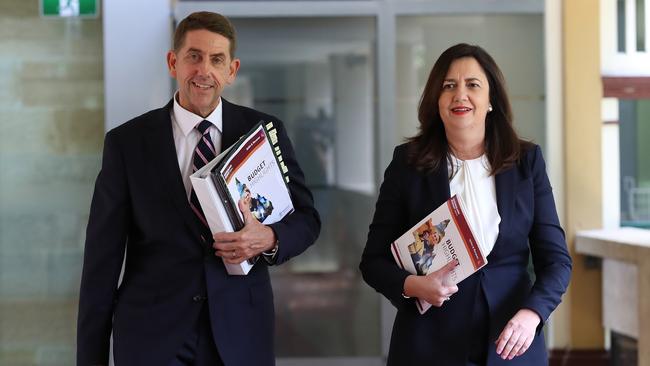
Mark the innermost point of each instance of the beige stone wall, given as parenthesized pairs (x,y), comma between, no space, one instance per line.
(582,146)
(51,132)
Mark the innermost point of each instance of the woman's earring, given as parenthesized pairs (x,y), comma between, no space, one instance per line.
(489,109)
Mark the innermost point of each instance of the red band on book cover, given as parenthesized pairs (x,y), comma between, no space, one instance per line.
(252,144)
(466,233)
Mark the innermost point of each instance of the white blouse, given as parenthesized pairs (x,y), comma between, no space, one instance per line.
(474,184)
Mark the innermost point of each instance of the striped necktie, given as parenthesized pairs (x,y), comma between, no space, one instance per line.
(203,153)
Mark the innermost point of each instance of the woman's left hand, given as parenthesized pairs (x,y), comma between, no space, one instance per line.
(518,334)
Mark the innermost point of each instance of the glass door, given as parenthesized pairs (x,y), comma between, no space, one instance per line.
(317,75)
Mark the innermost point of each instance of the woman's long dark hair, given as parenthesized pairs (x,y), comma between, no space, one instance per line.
(429,149)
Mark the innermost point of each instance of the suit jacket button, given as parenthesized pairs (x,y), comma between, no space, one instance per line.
(197,298)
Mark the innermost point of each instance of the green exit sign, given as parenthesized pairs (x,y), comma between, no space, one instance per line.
(69,8)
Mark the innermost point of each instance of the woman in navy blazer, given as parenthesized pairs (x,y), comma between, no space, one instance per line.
(495,316)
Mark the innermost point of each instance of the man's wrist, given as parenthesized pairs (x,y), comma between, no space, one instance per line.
(270,254)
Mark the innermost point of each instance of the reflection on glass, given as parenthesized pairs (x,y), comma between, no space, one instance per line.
(51,116)
(317,76)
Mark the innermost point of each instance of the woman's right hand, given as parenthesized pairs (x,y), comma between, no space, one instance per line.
(433,288)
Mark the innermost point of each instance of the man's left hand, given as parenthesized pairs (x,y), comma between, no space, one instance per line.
(246,243)
(518,334)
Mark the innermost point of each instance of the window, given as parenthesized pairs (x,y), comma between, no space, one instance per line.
(624,37)
(634,132)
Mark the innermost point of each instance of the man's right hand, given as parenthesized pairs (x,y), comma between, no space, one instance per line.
(433,288)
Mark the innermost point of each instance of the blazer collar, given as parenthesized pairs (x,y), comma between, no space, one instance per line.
(505,185)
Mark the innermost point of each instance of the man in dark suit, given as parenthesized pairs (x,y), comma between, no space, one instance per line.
(176,305)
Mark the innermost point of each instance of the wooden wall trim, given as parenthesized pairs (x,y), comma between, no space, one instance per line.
(626,87)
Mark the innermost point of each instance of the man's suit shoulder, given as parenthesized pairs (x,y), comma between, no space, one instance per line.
(140,124)
(253,115)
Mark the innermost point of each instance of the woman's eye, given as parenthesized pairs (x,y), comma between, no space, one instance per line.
(448,86)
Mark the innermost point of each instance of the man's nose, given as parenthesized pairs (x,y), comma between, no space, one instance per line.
(203,68)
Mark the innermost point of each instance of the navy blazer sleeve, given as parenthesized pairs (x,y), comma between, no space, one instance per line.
(296,232)
(377,266)
(104,252)
(551,259)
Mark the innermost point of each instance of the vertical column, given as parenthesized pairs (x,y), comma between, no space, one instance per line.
(582,142)
(353,116)
(559,326)
(137,36)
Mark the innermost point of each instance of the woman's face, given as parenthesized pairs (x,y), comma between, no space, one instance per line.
(465,97)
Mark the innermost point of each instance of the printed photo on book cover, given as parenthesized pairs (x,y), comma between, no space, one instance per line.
(426,245)
(260,206)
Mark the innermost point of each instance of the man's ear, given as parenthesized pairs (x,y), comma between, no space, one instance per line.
(171,63)
(232,72)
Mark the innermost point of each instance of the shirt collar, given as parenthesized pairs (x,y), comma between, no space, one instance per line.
(187,120)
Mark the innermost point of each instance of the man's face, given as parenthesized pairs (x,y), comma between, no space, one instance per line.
(202,68)
(436,237)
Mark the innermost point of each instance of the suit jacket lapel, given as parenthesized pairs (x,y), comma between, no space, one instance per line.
(162,154)
(438,182)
